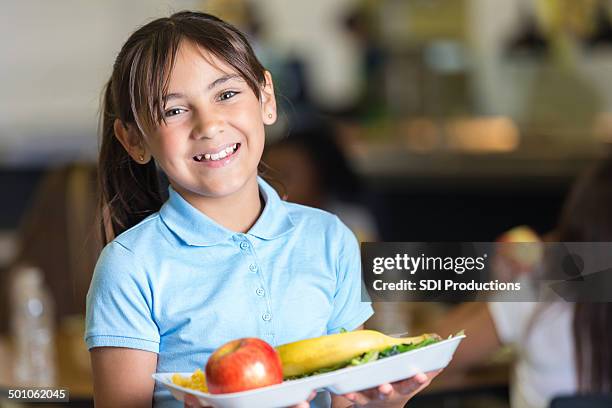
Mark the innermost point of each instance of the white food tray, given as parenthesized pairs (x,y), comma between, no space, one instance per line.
(345,380)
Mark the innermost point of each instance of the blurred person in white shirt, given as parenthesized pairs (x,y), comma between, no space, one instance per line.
(561,348)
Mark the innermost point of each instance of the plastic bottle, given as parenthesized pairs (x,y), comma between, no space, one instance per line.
(33,329)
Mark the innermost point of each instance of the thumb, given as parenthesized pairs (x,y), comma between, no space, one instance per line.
(192,402)
(312,396)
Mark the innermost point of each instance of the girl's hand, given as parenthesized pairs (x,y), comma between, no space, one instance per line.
(306,404)
(397,393)
(192,402)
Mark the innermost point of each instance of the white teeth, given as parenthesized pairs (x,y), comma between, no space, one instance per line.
(218,156)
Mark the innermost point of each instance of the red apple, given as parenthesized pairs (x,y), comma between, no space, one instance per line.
(241,365)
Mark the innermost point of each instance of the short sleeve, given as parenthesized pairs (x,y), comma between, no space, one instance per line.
(511,319)
(349,311)
(119,303)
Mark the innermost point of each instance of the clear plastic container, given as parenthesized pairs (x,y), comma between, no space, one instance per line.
(33,329)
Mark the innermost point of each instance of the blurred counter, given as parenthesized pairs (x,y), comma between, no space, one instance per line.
(388,166)
(468,149)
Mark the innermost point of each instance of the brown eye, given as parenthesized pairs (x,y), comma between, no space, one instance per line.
(173,112)
(227,95)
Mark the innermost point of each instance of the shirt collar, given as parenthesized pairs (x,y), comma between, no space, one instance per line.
(274,220)
(197,229)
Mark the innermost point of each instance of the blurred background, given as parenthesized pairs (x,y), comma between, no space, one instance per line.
(413,120)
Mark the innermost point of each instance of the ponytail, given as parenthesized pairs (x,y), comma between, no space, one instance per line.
(128,191)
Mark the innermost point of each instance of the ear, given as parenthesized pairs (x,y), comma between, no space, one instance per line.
(131,142)
(268,101)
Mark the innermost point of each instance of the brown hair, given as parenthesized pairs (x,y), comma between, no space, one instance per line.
(586,217)
(129,192)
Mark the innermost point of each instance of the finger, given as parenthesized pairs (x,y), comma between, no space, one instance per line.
(382,392)
(385,389)
(358,398)
(421,378)
(312,396)
(190,401)
(432,374)
(306,404)
(351,396)
(412,384)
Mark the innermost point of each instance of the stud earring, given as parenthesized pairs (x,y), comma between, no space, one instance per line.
(270,115)
(141,157)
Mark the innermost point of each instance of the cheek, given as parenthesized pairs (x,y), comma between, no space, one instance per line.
(167,143)
(257,146)
(250,124)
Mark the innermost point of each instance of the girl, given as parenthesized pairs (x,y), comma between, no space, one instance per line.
(223,257)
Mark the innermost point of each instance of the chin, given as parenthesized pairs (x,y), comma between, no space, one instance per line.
(224,187)
(221,185)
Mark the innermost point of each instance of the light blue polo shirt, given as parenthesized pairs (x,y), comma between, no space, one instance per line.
(180,285)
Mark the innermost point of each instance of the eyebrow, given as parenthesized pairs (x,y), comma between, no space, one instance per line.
(216,82)
(223,79)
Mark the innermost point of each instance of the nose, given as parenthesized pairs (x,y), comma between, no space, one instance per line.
(208,124)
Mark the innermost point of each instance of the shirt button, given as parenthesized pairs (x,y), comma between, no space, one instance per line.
(253,267)
(266,316)
(244,245)
(260,292)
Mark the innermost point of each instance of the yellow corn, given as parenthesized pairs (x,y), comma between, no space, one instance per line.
(306,356)
(197,381)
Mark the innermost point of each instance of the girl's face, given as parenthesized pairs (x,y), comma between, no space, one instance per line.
(213,137)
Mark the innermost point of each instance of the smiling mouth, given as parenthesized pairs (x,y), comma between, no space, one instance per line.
(220,155)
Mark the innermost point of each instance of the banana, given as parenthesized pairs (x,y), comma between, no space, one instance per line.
(306,356)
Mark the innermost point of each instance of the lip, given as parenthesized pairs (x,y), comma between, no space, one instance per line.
(219,163)
(216,149)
